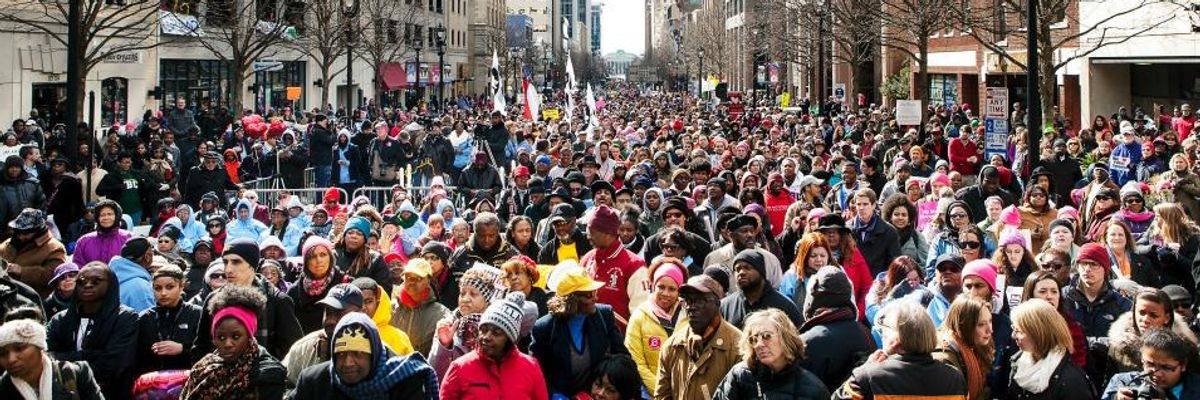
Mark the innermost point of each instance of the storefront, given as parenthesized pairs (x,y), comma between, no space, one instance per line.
(283,88)
(196,81)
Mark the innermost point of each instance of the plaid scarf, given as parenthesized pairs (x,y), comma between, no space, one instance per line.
(389,371)
(213,377)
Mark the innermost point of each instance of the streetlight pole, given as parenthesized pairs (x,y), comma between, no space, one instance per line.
(700,78)
(350,11)
(75,85)
(417,47)
(441,52)
(1033,97)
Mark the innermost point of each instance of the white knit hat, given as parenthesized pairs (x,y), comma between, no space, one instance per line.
(23,331)
(506,314)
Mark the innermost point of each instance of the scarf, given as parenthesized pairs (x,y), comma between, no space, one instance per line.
(413,302)
(974,373)
(1034,376)
(213,378)
(826,315)
(45,389)
(386,373)
(315,287)
(407,222)
(1120,262)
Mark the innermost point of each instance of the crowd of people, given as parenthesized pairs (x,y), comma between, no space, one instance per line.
(657,248)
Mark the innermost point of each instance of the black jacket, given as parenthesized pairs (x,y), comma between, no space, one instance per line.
(15,294)
(320,145)
(903,376)
(311,314)
(203,180)
(158,324)
(548,254)
(759,383)
(696,246)
(974,197)
(834,345)
(278,328)
(735,307)
(389,152)
(72,381)
(481,180)
(437,149)
(316,383)
(376,270)
(62,200)
(1065,171)
(18,194)
(108,345)
(497,139)
(1067,383)
(552,345)
(878,242)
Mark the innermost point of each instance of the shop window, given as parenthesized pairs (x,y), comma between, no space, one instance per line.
(114,101)
(196,80)
(183,7)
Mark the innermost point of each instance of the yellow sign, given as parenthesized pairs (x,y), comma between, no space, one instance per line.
(550,114)
(293,93)
(785,99)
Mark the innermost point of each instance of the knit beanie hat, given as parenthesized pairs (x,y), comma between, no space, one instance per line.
(1010,216)
(25,331)
(315,241)
(1012,236)
(939,178)
(170,231)
(1068,212)
(755,259)
(439,249)
(984,269)
(244,248)
(135,248)
(1094,252)
(359,224)
(483,278)
(831,288)
(605,220)
(507,315)
(1066,223)
(215,267)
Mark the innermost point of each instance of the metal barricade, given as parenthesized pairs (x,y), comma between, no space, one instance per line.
(308,196)
(381,196)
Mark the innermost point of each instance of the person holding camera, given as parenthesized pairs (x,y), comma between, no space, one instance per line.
(1165,372)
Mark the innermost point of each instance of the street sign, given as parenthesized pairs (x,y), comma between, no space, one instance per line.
(839,91)
(997,103)
(267,66)
(995,137)
(293,93)
(908,112)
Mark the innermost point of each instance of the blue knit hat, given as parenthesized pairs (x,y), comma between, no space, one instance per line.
(360,224)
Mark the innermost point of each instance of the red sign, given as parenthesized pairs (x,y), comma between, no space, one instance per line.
(736,108)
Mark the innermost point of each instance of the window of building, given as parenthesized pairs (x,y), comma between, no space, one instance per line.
(196,80)
(272,86)
(220,12)
(185,7)
(114,101)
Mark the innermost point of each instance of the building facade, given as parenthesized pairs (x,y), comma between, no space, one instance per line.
(618,62)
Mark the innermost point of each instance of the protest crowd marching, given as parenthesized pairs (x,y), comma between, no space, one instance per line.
(645,245)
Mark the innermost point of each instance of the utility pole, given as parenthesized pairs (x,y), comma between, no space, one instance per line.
(75,83)
(1033,97)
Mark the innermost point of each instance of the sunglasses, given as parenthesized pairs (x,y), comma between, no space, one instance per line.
(970,245)
(217,276)
(1053,265)
(763,336)
(670,246)
(1134,200)
(949,268)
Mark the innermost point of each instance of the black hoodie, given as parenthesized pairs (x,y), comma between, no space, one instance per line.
(108,343)
(19,193)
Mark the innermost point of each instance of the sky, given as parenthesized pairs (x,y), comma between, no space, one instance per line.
(623,26)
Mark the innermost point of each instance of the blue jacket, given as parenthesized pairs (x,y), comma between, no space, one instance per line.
(1124,161)
(245,228)
(192,232)
(1189,380)
(136,292)
(291,238)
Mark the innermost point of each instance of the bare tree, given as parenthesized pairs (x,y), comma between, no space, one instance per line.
(999,26)
(906,26)
(240,32)
(706,30)
(391,29)
(109,28)
(323,39)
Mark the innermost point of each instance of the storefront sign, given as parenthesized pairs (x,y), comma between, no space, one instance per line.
(267,66)
(293,93)
(124,57)
(908,112)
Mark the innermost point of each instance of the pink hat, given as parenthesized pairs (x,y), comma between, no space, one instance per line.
(816,213)
(984,269)
(1010,216)
(939,178)
(1012,236)
(314,241)
(1069,213)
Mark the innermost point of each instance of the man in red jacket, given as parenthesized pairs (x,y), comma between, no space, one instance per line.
(626,282)
(778,200)
(964,155)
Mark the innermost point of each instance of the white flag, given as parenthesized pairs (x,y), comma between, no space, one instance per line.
(497,86)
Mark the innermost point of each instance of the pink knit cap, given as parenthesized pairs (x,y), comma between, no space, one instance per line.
(314,241)
(939,178)
(1012,236)
(984,269)
(1010,216)
(1069,213)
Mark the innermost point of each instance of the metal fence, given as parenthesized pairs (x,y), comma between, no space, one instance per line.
(381,196)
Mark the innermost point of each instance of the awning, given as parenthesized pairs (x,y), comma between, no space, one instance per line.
(1146,60)
(391,75)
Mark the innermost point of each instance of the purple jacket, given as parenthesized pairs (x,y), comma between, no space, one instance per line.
(96,246)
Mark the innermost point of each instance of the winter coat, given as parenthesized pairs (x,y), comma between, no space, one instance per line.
(376,269)
(834,345)
(18,194)
(903,376)
(72,381)
(320,143)
(136,291)
(248,227)
(791,383)
(548,254)
(1065,172)
(1175,266)
(100,246)
(974,197)
(1190,381)
(1125,342)
(381,156)
(309,313)
(316,383)
(15,294)
(37,259)
(62,200)
(1186,189)
(277,324)
(483,180)
(878,242)
(109,342)
(645,337)
(440,153)
(202,180)
(959,151)
(475,376)
(1068,382)
(681,378)
(420,323)
(1096,317)
(626,280)
(158,324)
(1038,224)
(552,347)
(191,232)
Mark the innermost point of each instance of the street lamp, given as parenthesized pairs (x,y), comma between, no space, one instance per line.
(417,46)
(350,11)
(700,84)
(441,52)
(754,69)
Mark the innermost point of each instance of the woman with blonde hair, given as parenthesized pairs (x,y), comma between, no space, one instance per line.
(965,342)
(1042,368)
(770,369)
(1173,241)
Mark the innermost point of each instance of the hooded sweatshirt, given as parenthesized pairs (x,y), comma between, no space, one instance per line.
(102,244)
(393,337)
(136,291)
(191,230)
(247,227)
(388,370)
(105,339)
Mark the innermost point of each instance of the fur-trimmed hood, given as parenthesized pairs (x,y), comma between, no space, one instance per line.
(1125,343)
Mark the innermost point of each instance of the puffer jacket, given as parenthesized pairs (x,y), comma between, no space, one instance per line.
(760,383)
(391,336)
(1125,342)
(477,376)
(645,337)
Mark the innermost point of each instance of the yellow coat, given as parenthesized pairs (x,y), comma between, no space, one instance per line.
(391,336)
(646,338)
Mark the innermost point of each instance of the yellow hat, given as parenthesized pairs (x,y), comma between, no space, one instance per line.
(576,280)
(418,267)
(352,339)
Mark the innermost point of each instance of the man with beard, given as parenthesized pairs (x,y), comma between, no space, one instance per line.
(486,245)
(988,186)
(63,192)
(742,236)
(694,360)
(313,348)
(32,253)
(778,201)
(626,281)
(750,270)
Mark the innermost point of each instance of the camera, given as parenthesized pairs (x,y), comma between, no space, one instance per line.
(1145,390)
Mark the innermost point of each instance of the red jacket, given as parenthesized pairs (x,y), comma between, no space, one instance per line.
(475,376)
(777,210)
(860,277)
(626,281)
(960,151)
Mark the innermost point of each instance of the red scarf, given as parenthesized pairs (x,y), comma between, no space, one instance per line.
(410,302)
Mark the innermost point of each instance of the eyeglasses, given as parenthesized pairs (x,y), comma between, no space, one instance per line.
(1156,367)
(1053,265)
(969,245)
(958,216)
(670,246)
(763,336)
(217,276)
